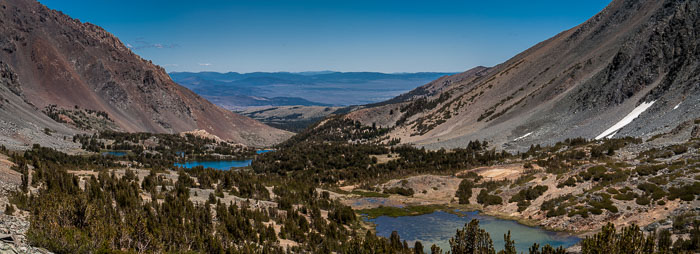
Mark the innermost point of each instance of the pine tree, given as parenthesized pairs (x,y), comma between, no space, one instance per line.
(472,240)
(509,247)
(418,248)
(629,240)
(664,241)
(434,249)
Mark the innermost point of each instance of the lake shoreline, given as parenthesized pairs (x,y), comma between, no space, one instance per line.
(443,221)
(456,209)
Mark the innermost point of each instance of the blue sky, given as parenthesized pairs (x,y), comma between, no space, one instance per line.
(342,35)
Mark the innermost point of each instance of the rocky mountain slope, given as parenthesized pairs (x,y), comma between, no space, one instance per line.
(48,58)
(631,70)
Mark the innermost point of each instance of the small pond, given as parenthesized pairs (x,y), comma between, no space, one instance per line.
(438,227)
(264,151)
(222,165)
(114,153)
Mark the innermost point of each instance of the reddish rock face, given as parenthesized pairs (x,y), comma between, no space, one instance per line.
(59,60)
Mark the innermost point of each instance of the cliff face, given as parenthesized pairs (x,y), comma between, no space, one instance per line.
(57,60)
(581,82)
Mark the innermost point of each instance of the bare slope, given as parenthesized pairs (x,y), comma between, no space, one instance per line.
(579,83)
(59,60)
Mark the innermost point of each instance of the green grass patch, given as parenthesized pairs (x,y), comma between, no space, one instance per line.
(391,211)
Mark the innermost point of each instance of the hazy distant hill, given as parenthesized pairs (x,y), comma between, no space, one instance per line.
(324,88)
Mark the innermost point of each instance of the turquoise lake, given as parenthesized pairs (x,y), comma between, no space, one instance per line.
(114,153)
(221,165)
(438,227)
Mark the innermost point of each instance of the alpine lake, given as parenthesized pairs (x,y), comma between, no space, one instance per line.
(221,165)
(438,227)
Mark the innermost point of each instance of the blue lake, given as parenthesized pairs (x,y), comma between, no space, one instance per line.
(222,165)
(114,153)
(438,227)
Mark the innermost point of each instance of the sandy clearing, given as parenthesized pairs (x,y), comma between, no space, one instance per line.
(498,173)
(511,171)
(429,190)
(349,187)
(428,187)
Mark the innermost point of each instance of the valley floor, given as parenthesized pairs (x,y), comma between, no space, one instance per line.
(290,196)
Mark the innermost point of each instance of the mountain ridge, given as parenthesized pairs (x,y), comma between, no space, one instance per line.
(64,62)
(577,83)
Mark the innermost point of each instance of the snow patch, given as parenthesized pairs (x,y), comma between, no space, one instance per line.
(626,120)
(523,136)
(676,107)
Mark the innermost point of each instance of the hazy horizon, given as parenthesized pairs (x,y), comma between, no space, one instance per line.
(315,71)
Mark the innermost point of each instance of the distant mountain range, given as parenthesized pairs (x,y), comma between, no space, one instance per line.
(631,70)
(320,88)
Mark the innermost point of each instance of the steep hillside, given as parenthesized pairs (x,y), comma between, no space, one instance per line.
(53,59)
(632,70)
